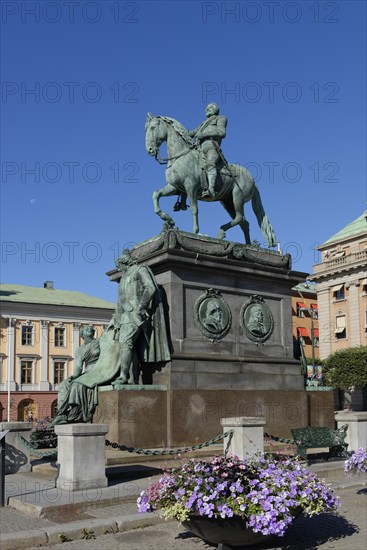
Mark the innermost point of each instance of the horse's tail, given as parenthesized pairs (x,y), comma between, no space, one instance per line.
(262,219)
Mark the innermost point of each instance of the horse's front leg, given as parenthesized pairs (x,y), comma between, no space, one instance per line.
(191,193)
(166,191)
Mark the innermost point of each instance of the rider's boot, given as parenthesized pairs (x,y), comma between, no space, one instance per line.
(212,176)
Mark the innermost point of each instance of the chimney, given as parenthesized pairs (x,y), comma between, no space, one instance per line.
(49,285)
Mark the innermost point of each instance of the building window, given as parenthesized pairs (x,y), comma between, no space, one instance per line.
(59,337)
(59,371)
(341,327)
(300,307)
(26,371)
(27,411)
(338,292)
(27,335)
(302,334)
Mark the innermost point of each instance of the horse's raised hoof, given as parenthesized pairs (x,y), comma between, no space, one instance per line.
(221,234)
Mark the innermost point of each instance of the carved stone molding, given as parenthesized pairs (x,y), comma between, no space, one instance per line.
(174,238)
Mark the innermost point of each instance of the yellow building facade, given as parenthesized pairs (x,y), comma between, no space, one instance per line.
(39,334)
(341,279)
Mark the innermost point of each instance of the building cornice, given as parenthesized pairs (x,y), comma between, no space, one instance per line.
(42,312)
(333,267)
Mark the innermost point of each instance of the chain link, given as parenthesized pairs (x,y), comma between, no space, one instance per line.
(150,452)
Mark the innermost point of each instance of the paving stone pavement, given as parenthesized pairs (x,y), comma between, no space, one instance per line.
(344,531)
(19,530)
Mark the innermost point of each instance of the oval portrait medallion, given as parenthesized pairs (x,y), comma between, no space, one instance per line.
(256,319)
(212,315)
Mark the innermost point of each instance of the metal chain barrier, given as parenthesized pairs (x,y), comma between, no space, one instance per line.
(150,452)
(140,451)
(281,439)
(137,450)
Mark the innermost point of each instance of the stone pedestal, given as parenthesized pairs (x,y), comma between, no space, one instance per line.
(193,271)
(357,428)
(16,454)
(247,438)
(81,456)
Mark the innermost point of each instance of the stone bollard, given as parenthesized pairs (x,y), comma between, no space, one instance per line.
(357,428)
(81,456)
(248,435)
(16,454)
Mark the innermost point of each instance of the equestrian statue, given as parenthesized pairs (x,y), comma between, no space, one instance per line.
(197,169)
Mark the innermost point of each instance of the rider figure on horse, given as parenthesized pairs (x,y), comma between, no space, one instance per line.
(209,135)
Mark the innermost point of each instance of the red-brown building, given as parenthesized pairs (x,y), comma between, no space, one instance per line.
(305,324)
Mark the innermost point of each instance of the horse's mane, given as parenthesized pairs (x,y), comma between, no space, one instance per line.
(178,127)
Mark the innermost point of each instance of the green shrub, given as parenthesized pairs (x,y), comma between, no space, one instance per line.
(346,368)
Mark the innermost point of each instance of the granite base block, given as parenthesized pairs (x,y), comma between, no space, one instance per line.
(81,456)
(174,418)
(357,428)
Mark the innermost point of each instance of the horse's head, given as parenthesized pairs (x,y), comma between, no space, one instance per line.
(155,134)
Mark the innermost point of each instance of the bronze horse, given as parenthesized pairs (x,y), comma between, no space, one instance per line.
(235,184)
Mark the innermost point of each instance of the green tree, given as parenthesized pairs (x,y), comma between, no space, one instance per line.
(346,368)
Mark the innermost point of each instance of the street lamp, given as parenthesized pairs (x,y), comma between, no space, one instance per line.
(8,370)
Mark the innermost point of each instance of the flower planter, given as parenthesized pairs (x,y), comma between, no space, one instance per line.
(229,531)
(216,499)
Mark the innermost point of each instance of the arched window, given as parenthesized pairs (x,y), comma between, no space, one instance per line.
(27,410)
(54,408)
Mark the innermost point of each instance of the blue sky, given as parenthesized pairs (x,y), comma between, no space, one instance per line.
(77,182)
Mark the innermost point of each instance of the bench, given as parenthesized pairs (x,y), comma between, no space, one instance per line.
(316,438)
